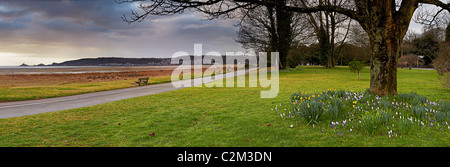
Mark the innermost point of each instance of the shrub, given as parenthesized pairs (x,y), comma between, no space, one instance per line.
(442,64)
(285,70)
(310,111)
(356,66)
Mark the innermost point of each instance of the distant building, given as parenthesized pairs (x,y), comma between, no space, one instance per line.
(411,60)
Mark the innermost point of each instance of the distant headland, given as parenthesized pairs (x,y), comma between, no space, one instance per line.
(119,61)
(115,61)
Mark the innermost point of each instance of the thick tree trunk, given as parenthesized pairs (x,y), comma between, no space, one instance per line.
(331,58)
(284,31)
(383,69)
(273,34)
(386,27)
(386,30)
(324,47)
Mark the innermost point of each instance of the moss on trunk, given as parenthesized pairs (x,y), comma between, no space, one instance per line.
(386,28)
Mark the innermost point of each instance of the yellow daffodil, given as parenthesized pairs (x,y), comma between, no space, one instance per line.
(308,105)
(354,102)
(353,106)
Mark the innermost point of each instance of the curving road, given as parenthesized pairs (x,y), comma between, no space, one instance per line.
(22,108)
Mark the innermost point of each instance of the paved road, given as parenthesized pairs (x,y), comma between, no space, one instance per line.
(416,68)
(22,108)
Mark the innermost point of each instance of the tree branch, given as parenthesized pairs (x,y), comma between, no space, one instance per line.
(329,8)
(170,7)
(164,7)
(431,19)
(437,3)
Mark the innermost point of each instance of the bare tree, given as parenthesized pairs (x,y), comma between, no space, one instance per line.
(357,45)
(258,30)
(410,60)
(442,64)
(385,21)
(330,28)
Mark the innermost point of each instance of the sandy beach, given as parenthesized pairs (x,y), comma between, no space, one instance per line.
(44,76)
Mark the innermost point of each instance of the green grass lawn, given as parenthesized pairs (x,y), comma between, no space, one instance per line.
(41,92)
(219,117)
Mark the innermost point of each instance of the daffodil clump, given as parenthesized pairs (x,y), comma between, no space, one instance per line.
(341,111)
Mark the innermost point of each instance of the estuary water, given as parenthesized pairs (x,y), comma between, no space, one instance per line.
(12,70)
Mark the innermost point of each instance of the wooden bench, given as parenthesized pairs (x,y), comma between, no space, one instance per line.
(142,81)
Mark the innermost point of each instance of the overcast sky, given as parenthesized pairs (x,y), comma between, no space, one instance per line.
(34,32)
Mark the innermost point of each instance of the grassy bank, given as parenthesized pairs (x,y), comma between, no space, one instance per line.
(18,93)
(219,117)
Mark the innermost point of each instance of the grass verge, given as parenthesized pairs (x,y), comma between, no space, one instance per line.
(67,89)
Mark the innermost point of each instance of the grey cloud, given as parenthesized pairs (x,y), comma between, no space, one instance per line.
(92,28)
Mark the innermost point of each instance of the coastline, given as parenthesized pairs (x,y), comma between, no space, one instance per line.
(13,70)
